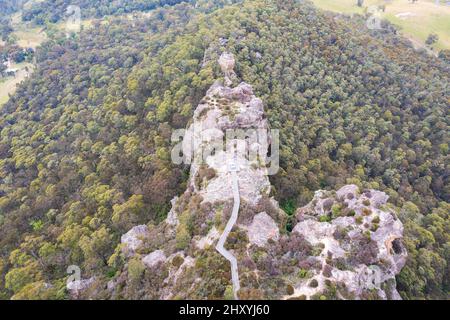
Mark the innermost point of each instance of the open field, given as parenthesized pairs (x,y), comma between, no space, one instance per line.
(416,20)
(27,37)
(8,84)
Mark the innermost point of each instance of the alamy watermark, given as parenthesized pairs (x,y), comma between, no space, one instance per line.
(258,148)
(74,275)
(374,20)
(73,20)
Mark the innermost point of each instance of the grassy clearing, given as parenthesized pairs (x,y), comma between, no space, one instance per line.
(26,35)
(416,20)
(342,6)
(9,84)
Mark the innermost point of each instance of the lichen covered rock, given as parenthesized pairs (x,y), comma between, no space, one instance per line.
(262,229)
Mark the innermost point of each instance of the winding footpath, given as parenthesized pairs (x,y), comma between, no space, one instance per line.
(223,238)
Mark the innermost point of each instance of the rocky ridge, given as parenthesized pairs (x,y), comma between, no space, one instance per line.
(344,245)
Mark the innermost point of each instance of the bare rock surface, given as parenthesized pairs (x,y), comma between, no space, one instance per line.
(77,287)
(344,244)
(209,239)
(176,273)
(224,109)
(227,63)
(262,228)
(361,245)
(133,239)
(347,191)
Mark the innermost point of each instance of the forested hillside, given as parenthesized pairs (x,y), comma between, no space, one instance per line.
(9,6)
(54,11)
(85,142)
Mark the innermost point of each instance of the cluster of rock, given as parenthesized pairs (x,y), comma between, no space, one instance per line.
(360,240)
(133,239)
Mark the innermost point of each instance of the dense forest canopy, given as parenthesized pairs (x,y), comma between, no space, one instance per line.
(53,11)
(85,142)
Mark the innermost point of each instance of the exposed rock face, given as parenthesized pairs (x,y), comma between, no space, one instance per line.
(222,110)
(262,229)
(154,258)
(175,272)
(208,240)
(133,239)
(77,287)
(230,121)
(347,192)
(361,245)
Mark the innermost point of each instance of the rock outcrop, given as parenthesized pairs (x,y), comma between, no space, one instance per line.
(208,240)
(154,258)
(344,245)
(360,244)
(229,124)
(227,62)
(133,239)
(78,287)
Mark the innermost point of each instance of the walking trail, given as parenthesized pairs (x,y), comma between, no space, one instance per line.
(234,215)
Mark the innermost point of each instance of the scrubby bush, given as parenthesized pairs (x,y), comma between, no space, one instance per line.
(313,283)
(359,220)
(324,218)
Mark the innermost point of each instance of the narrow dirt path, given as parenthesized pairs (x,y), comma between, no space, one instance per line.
(223,238)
